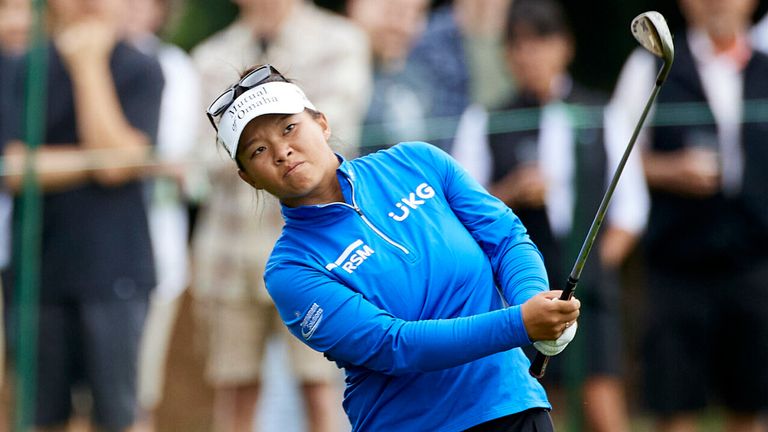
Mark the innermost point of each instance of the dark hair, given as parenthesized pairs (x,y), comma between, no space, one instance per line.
(537,18)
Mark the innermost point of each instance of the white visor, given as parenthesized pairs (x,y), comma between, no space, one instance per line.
(271,98)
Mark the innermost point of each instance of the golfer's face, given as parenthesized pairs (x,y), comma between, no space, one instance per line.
(289,157)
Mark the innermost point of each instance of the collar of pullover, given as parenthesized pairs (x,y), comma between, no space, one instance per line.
(322,214)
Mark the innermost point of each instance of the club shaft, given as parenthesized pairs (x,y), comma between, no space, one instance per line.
(597,222)
(539,364)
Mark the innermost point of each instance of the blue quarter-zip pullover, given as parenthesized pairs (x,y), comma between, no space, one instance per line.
(400,286)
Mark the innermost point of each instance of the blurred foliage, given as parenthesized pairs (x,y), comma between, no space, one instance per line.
(603,40)
(601,27)
(195,20)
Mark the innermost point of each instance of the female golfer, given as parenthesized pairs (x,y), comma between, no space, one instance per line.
(397,266)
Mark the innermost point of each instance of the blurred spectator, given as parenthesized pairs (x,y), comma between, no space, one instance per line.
(397,111)
(460,54)
(546,172)
(168,219)
(236,231)
(708,224)
(96,265)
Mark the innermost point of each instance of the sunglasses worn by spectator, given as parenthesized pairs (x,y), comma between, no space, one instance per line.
(249,81)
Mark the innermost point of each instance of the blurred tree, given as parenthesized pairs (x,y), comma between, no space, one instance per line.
(198,19)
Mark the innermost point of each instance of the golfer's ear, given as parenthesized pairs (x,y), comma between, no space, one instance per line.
(246,178)
(323,122)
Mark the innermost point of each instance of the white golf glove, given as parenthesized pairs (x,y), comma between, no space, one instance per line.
(555,347)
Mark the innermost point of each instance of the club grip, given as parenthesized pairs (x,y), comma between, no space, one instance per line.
(539,365)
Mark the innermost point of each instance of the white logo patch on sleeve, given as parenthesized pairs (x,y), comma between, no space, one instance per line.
(311,321)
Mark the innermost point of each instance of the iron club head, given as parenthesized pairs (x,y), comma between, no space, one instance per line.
(651,30)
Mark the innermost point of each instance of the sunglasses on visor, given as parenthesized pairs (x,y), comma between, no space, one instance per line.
(249,81)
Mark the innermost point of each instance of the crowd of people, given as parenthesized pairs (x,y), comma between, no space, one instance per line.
(126,150)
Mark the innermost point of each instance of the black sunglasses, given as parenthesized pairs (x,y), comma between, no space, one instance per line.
(249,81)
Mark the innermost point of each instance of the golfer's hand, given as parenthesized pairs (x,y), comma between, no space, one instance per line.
(545,319)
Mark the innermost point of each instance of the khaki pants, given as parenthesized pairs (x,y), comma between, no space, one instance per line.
(239,333)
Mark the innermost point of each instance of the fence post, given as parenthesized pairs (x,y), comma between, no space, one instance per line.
(30,217)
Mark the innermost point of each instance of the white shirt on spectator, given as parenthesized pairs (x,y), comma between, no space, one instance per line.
(760,35)
(723,85)
(630,204)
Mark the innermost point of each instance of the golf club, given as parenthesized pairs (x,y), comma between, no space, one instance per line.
(650,29)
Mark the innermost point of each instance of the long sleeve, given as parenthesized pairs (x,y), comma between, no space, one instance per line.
(343,315)
(517,264)
(332,318)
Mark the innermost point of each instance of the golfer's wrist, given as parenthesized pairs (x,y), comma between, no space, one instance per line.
(517,332)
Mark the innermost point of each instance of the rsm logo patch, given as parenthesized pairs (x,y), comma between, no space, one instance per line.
(353,257)
(412,201)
